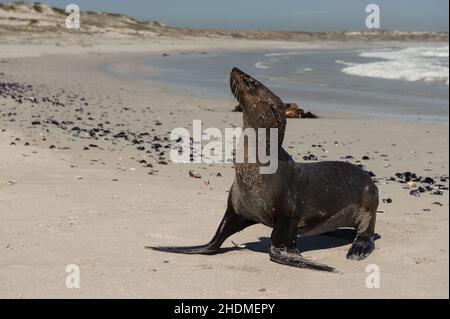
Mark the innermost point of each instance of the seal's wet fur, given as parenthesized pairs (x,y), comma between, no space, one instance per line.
(299,199)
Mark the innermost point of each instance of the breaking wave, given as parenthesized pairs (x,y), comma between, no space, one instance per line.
(261,65)
(410,64)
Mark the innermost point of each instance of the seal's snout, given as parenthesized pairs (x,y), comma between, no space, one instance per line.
(237,74)
(250,92)
(241,83)
(236,71)
(236,81)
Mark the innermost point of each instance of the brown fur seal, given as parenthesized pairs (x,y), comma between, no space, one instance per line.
(299,198)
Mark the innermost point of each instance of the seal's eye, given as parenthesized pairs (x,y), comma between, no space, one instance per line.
(251,84)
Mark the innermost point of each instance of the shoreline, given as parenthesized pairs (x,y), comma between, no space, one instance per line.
(140,71)
(90,200)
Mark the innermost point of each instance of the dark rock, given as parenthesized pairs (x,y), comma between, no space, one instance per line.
(194,175)
(308,115)
(415,193)
(428,180)
(310,157)
(121,135)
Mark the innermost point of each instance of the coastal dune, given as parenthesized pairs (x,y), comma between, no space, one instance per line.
(86,179)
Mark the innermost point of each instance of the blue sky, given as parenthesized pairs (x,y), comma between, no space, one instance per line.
(291,15)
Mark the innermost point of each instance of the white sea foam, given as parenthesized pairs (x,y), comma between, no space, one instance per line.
(261,65)
(437,52)
(410,64)
(283,54)
(304,70)
(344,63)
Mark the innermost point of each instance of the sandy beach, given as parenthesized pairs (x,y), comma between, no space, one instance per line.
(69,198)
(86,178)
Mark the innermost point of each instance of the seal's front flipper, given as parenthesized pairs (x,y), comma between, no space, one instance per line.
(361,248)
(292,257)
(231,224)
(283,249)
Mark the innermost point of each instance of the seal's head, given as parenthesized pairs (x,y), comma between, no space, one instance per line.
(261,107)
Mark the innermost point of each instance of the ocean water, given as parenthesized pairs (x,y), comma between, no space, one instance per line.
(403,83)
(410,64)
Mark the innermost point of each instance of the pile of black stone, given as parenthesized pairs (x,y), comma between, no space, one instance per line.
(421,184)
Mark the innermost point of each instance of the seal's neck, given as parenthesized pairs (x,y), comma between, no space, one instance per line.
(275,120)
(258,151)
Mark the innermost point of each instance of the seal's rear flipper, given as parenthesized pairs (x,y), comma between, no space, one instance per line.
(204,250)
(363,245)
(292,257)
(361,248)
(230,224)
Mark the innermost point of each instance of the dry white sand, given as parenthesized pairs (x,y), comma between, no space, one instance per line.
(98,208)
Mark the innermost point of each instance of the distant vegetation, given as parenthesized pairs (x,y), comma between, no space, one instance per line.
(39,17)
(37,6)
(112,14)
(59,10)
(6,7)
